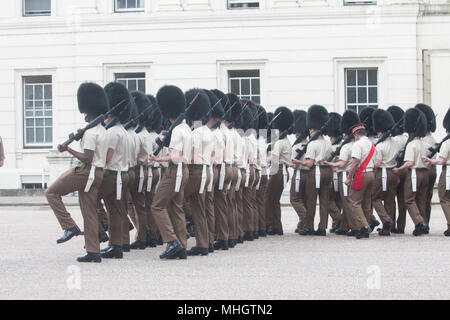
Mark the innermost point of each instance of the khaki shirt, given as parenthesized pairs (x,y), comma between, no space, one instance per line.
(401,140)
(145,147)
(319,150)
(230,140)
(445,151)
(239,152)
(95,139)
(134,147)
(429,140)
(414,152)
(294,153)
(219,146)
(361,150)
(151,146)
(202,145)
(181,140)
(346,155)
(262,152)
(2,151)
(252,147)
(282,150)
(386,152)
(117,139)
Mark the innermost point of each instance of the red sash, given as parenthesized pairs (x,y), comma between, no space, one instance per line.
(358,180)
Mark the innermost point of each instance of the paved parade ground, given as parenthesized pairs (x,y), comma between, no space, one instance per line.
(33,266)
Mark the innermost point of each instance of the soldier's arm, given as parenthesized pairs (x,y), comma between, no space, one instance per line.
(85,157)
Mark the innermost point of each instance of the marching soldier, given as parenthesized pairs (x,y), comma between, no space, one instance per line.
(298,181)
(280,161)
(444,180)
(167,205)
(86,177)
(385,185)
(262,167)
(199,174)
(400,138)
(417,178)
(431,143)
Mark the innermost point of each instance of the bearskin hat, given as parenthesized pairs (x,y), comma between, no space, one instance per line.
(300,122)
(252,107)
(262,117)
(349,119)
(316,117)
(415,122)
(429,113)
(142,102)
(365,115)
(332,129)
(224,101)
(397,113)
(116,93)
(92,99)
(446,122)
(254,110)
(200,106)
(216,105)
(171,101)
(382,120)
(236,108)
(153,121)
(284,120)
(246,122)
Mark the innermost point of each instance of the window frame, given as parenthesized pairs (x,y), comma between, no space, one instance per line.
(117,10)
(350,3)
(250,78)
(24,14)
(229,2)
(110,69)
(367,86)
(132,79)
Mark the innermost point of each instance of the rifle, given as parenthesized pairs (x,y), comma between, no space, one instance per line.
(390,132)
(337,152)
(315,136)
(133,122)
(401,154)
(283,135)
(114,120)
(337,140)
(80,132)
(209,113)
(269,125)
(437,148)
(165,140)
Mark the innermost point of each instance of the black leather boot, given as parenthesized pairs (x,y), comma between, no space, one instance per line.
(138,245)
(363,233)
(386,230)
(114,252)
(196,251)
(90,257)
(151,242)
(103,237)
(248,236)
(231,243)
(69,234)
(126,247)
(420,229)
(172,249)
(221,245)
(211,248)
(320,232)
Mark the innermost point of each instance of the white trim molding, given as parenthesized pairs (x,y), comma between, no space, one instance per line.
(109,69)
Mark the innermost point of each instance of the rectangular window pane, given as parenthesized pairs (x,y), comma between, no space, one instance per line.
(36,7)
(373,75)
(47,91)
(245,86)
(29,123)
(351,77)
(39,122)
(255,86)
(234,86)
(38,92)
(29,135)
(241,4)
(362,77)
(132,85)
(39,135)
(361,88)
(373,95)
(243,73)
(48,135)
(362,95)
(129,5)
(351,95)
(256,99)
(132,80)
(141,85)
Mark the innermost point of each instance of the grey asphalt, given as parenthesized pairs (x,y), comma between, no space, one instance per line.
(33,266)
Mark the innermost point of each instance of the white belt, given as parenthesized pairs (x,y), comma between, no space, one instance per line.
(203,181)
(211,180)
(268,173)
(179,177)
(259,180)
(247,175)
(368,170)
(317,177)
(222,176)
(239,179)
(119,186)
(414,180)
(447,178)
(90,180)
(149,179)
(335,182)
(384,178)
(159,180)
(297,180)
(141,178)
(285,176)
(344,186)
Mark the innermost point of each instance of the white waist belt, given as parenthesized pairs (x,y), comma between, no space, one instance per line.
(259,180)
(344,186)
(285,176)
(141,178)
(149,179)
(238,180)
(179,177)
(203,182)
(447,178)
(222,176)
(414,180)
(384,178)
(268,173)
(90,180)
(247,175)
(368,170)
(297,180)
(119,186)
(335,182)
(159,180)
(317,177)
(211,180)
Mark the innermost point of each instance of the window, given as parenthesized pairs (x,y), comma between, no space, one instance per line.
(37,111)
(34,186)
(239,4)
(245,84)
(128,5)
(358,2)
(133,81)
(36,7)
(361,88)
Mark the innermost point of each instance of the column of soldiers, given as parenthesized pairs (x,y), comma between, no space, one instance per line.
(219,164)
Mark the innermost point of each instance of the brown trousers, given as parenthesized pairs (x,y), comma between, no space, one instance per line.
(209,206)
(131,210)
(240,205)
(260,201)
(231,201)
(248,202)
(194,203)
(401,219)
(149,196)
(346,221)
(416,202)
(384,201)
(431,181)
(361,201)
(326,176)
(222,209)
(72,180)
(116,209)
(102,215)
(298,199)
(273,195)
(444,195)
(167,206)
(335,205)
(129,207)
(255,204)
(139,200)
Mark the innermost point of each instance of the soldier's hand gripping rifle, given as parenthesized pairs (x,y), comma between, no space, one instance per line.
(164,142)
(301,152)
(80,132)
(390,132)
(437,148)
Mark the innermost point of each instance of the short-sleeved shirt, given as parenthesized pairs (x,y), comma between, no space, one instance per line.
(239,153)
(415,151)
(361,150)
(134,147)
(145,146)
(253,148)
(94,139)
(318,150)
(181,140)
(118,141)
(151,146)
(401,140)
(445,151)
(229,144)
(262,152)
(283,151)
(346,155)
(386,152)
(294,153)
(203,145)
(429,140)
(219,146)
